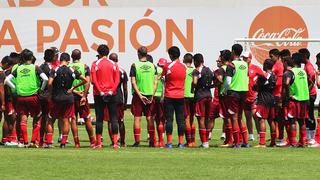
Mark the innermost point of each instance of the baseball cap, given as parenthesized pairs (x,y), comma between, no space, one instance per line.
(56,50)
(247,54)
(162,62)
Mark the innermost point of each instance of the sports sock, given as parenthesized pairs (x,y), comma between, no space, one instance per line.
(137,134)
(244,133)
(98,139)
(228,131)
(203,135)
(193,134)
(92,140)
(169,138)
(64,139)
(151,131)
(302,137)
(236,135)
(188,135)
(160,132)
(35,132)
(180,139)
(262,140)
(273,138)
(24,131)
(76,140)
(49,138)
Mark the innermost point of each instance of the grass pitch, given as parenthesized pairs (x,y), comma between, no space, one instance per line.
(156,163)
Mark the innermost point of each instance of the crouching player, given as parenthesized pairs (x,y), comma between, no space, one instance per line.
(60,88)
(297,83)
(265,103)
(27,77)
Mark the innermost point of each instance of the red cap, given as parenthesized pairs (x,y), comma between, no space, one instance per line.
(162,62)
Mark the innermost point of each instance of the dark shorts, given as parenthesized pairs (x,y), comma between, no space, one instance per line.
(189,107)
(235,105)
(84,110)
(214,109)
(202,107)
(223,107)
(9,108)
(297,109)
(139,109)
(158,110)
(249,105)
(264,112)
(28,106)
(59,110)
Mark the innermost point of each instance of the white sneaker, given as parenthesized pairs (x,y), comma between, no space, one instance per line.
(251,137)
(21,145)
(315,145)
(282,143)
(10,144)
(223,136)
(205,145)
(312,142)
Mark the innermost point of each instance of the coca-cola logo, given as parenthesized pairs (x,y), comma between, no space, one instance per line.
(277,22)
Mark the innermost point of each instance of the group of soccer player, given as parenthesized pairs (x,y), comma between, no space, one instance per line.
(282,94)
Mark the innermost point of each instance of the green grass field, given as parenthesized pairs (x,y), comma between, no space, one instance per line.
(156,163)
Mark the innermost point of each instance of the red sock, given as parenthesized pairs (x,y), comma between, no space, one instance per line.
(35,132)
(228,131)
(317,137)
(188,135)
(244,133)
(293,134)
(24,132)
(262,136)
(169,138)
(64,139)
(4,140)
(180,139)
(92,140)
(193,134)
(302,137)
(115,139)
(122,135)
(98,139)
(49,138)
(76,140)
(203,135)
(14,135)
(137,134)
(273,138)
(236,135)
(151,131)
(160,132)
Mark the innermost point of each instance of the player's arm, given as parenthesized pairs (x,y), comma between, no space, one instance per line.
(116,80)
(50,82)
(87,87)
(9,80)
(83,82)
(94,80)
(155,84)
(194,80)
(125,93)
(43,76)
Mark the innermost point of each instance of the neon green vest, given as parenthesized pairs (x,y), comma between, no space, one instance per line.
(80,67)
(299,89)
(221,89)
(240,79)
(160,83)
(145,72)
(188,83)
(27,82)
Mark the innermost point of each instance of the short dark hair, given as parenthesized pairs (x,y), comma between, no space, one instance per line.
(318,56)
(149,58)
(65,57)
(188,58)
(237,49)
(49,55)
(297,58)
(289,62)
(284,53)
(103,50)
(198,59)
(14,58)
(142,51)
(113,57)
(174,52)
(225,55)
(26,55)
(274,52)
(305,52)
(268,64)
(76,54)
(5,60)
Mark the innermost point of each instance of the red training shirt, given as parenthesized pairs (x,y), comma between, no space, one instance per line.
(277,69)
(254,71)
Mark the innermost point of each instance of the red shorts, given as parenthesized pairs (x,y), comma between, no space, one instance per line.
(28,105)
(9,108)
(223,107)
(158,110)
(139,109)
(214,109)
(297,110)
(235,105)
(249,106)
(264,112)
(203,107)
(189,107)
(59,110)
(84,110)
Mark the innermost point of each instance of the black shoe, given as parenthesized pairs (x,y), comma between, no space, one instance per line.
(136,144)
(151,144)
(62,146)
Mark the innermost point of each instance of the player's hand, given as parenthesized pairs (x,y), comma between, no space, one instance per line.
(144,99)
(70,91)
(83,101)
(3,108)
(150,100)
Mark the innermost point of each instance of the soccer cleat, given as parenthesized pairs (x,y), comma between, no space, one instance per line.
(251,137)
(238,146)
(272,145)
(62,146)
(11,144)
(282,143)
(136,144)
(315,145)
(189,145)
(260,146)
(77,146)
(92,145)
(33,145)
(169,146)
(204,145)
(245,145)
(311,142)
(49,146)
(181,146)
(223,136)
(116,146)
(160,145)
(21,145)
(226,146)
(98,146)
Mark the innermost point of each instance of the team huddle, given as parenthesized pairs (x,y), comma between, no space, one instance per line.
(282,94)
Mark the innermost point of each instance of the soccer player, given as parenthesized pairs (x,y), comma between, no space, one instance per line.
(311,73)
(27,77)
(189,101)
(122,93)
(158,103)
(60,86)
(297,83)
(236,84)
(175,75)
(105,78)
(202,84)
(249,105)
(265,103)
(83,108)
(278,70)
(144,79)
(44,96)
(317,136)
